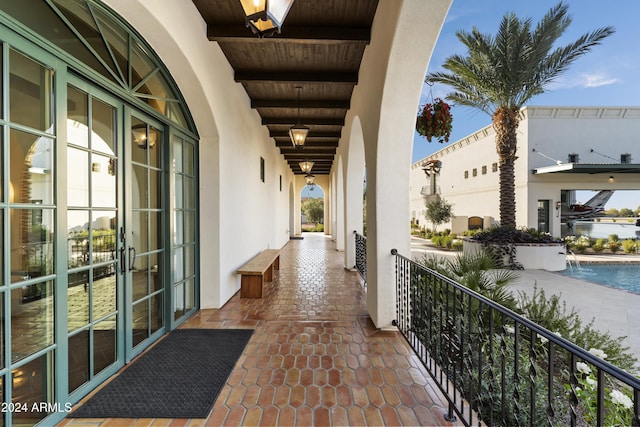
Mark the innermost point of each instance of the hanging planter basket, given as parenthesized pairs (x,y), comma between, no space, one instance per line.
(434,121)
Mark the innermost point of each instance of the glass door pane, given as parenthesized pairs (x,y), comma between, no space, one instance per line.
(145,240)
(183,226)
(92,245)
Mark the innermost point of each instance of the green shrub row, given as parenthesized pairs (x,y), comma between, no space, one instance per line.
(613,244)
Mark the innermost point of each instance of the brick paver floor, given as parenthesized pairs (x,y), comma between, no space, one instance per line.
(314,358)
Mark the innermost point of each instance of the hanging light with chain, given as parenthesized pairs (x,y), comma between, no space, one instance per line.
(298,132)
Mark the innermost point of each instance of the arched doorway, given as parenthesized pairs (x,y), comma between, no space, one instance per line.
(312,207)
(102,207)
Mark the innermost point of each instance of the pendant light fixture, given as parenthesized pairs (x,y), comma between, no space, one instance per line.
(298,132)
(309,179)
(306,166)
(265,17)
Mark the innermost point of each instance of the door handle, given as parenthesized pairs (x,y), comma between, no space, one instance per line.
(132,259)
(123,263)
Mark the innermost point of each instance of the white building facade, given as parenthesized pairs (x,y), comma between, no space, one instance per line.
(560,150)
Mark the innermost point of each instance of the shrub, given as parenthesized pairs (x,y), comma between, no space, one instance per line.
(513,235)
(552,314)
(579,248)
(447,241)
(629,246)
(436,240)
(614,246)
(613,237)
(598,246)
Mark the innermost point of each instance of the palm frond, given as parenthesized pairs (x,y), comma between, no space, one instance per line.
(508,70)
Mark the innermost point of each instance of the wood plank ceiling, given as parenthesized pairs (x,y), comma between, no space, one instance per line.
(319,49)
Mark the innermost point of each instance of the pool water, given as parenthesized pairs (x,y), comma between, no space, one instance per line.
(621,276)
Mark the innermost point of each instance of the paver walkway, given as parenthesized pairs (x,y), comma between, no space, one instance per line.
(315,357)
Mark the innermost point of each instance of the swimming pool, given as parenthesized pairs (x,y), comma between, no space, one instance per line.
(621,276)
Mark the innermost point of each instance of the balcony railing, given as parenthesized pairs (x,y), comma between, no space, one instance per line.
(498,368)
(361,255)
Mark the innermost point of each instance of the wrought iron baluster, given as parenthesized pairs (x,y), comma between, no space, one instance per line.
(464,341)
(491,360)
(533,374)
(573,397)
(550,375)
(516,374)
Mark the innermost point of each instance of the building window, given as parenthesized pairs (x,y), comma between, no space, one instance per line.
(625,158)
(484,170)
(494,167)
(475,172)
(574,158)
(466,174)
(261,169)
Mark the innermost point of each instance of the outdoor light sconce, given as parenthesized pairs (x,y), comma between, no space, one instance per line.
(306,166)
(309,179)
(265,17)
(143,136)
(298,132)
(558,205)
(611,178)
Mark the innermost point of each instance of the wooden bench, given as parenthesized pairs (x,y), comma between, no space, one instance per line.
(257,271)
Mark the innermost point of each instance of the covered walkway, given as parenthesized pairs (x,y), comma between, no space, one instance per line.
(315,357)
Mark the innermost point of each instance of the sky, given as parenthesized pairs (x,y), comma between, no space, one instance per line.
(608,75)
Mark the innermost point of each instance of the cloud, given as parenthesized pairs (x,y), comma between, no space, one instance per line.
(584,80)
(597,80)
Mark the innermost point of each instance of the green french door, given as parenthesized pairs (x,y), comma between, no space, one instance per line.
(98,203)
(116,297)
(144,250)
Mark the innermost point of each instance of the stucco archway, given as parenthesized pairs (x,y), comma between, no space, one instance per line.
(386,101)
(354,168)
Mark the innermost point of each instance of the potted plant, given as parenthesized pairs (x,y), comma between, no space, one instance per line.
(434,121)
(518,249)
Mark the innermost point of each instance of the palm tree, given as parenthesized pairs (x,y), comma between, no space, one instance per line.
(500,74)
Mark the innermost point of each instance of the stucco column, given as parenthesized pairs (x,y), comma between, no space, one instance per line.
(403,36)
(353,170)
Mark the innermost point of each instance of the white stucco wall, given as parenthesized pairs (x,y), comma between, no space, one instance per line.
(240,215)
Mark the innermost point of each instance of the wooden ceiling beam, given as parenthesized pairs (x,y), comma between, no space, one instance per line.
(286,151)
(295,77)
(308,104)
(291,34)
(312,134)
(308,144)
(307,121)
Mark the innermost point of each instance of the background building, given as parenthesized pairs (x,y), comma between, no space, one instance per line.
(560,150)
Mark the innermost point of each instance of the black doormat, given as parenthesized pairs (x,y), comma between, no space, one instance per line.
(180,377)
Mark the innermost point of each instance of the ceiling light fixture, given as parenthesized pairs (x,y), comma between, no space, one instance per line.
(306,166)
(298,132)
(265,17)
(309,179)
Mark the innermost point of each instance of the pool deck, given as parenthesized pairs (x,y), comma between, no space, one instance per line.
(613,310)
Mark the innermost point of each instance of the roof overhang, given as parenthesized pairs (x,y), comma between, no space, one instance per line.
(589,168)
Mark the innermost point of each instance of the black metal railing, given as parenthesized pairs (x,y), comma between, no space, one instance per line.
(498,368)
(361,255)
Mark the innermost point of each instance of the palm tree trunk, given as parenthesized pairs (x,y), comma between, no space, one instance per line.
(505,123)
